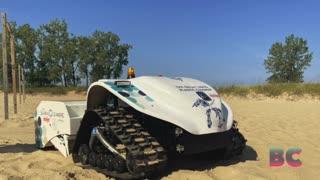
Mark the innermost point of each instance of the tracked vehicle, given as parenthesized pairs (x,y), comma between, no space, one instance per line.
(128,128)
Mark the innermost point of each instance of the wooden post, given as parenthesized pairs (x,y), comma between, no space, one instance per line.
(5,65)
(23,85)
(19,82)
(14,77)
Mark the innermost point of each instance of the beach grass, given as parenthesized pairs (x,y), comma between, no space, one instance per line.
(272,90)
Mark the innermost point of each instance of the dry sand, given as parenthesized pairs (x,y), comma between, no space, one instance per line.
(264,122)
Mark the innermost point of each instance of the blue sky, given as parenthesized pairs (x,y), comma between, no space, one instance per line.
(220,42)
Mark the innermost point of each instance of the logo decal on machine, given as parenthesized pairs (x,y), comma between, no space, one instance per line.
(218,112)
(51,113)
(201,102)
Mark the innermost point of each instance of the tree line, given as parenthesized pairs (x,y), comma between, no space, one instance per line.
(51,55)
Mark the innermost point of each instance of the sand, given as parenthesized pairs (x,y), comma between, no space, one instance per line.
(265,122)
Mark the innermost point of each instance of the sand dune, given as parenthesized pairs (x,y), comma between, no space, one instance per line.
(265,123)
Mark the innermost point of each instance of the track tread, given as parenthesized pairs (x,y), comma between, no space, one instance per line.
(133,139)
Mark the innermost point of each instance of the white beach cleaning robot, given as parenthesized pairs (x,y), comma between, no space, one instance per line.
(127,128)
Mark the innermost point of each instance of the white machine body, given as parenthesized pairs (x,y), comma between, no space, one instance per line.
(187,103)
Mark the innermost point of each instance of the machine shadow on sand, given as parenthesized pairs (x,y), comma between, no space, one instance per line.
(198,162)
(206,161)
(17,148)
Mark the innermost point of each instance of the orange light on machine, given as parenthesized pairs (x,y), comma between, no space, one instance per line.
(131,73)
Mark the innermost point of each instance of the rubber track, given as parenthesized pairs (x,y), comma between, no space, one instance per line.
(238,143)
(147,154)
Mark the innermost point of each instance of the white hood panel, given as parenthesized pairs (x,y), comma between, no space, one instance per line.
(179,101)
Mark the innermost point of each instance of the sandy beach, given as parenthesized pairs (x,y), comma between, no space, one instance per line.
(265,123)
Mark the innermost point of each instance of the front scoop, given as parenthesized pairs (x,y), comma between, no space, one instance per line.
(57,123)
(188,103)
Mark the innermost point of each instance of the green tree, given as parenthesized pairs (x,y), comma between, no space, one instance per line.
(52,55)
(53,42)
(25,47)
(72,58)
(288,61)
(109,56)
(86,56)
